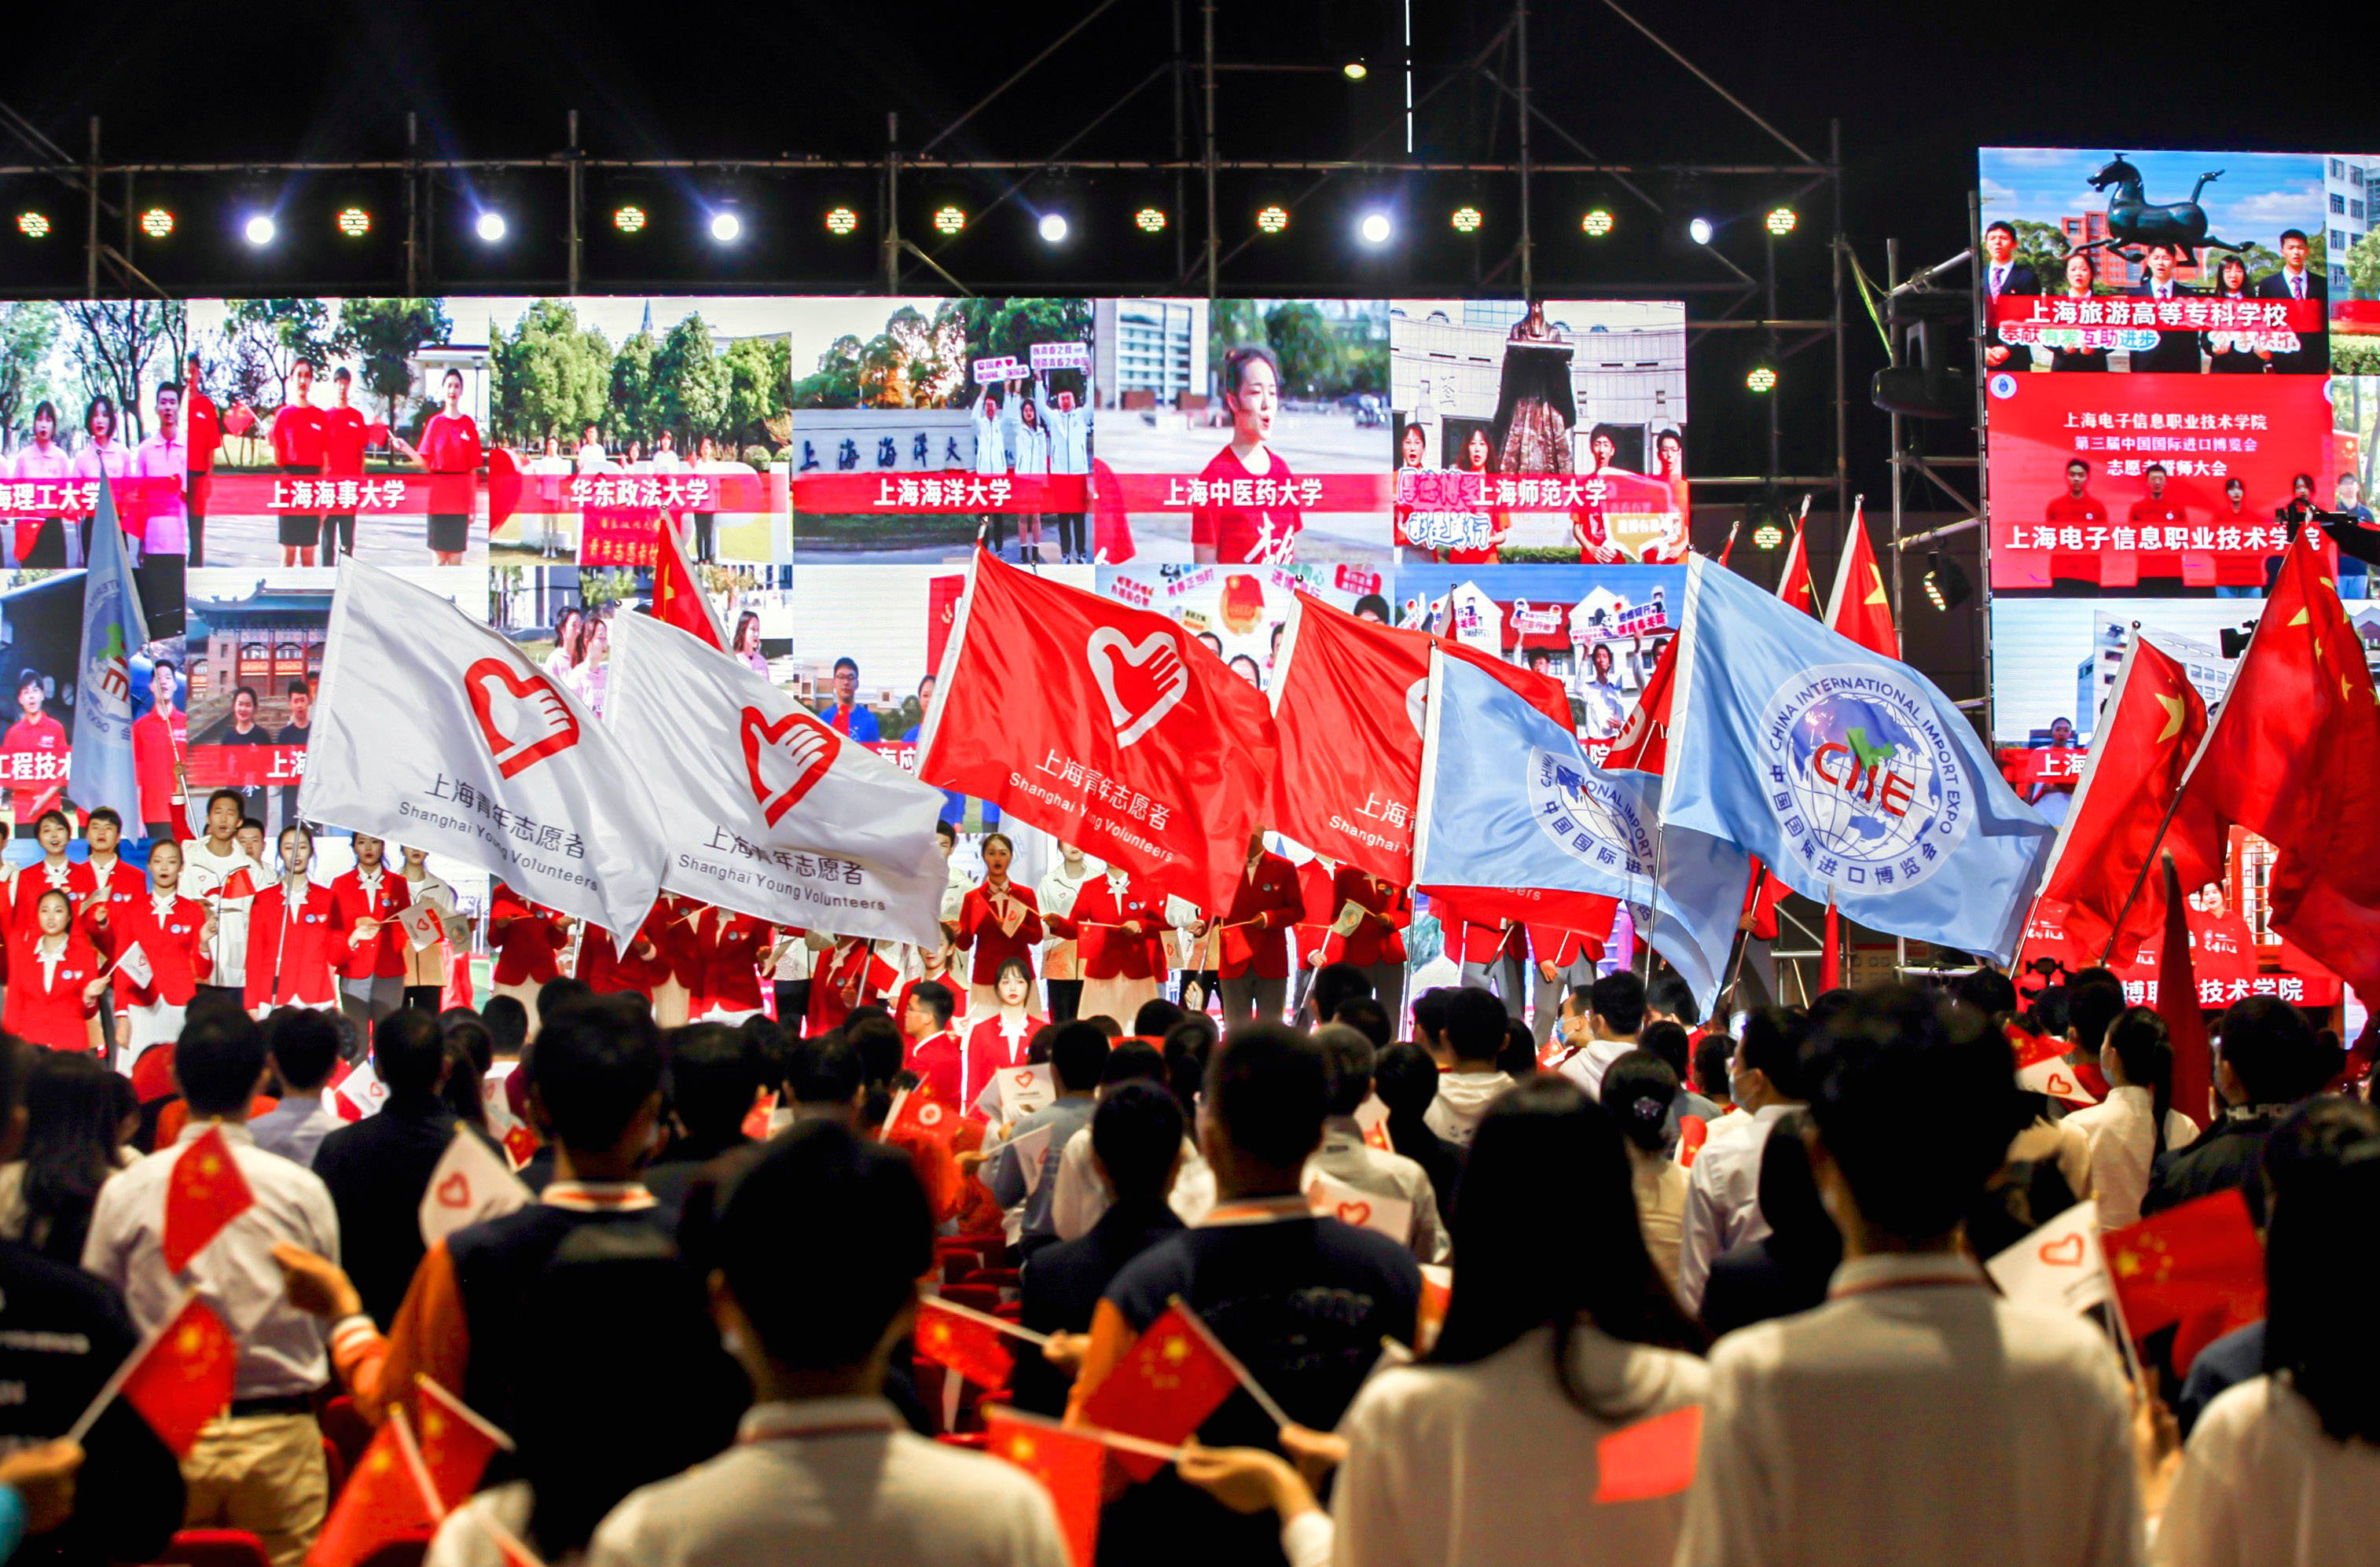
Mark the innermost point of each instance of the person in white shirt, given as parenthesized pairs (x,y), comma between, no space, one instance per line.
(260,1467)
(1723,1188)
(1062,969)
(208,866)
(823,1469)
(1345,1156)
(1615,1017)
(1468,1032)
(1082,1196)
(2136,1122)
(1490,1450)
(553,466)
(166,456)
(1916,1417)
(2283,1470)
(1069,424)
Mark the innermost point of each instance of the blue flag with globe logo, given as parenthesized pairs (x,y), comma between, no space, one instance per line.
(100,770)
(1851,773)
(1509,802)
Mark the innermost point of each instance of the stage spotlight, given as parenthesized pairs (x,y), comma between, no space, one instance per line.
(1374,228)
(33,226)
(156,222)
(1780,221)
(259,229)
(1699,230)
(1596,223)
(1272,218)
(726,228)
(1768,536)
(1945,582)
(354,221)
(489,227)
(1761,379)
(1466,219)
(841,222)
(949,218)
(1355,71)
(1053,228)
(628,219)
(1149,219)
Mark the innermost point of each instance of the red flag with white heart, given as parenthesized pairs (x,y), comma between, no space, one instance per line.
(1109,727)
(768,811)
(471,1183)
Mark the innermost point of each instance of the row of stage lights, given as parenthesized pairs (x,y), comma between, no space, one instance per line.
(1375,226)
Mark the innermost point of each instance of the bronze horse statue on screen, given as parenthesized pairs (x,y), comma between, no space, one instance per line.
(2132,220)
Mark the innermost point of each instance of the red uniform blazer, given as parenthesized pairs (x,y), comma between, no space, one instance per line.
(980,929)
(990,1050)
(851,960)
(1269,897)
(383,956)
(126,885)
(289,960)
(1107,953)
(730,954)
(608,973)
(940,1060)
(25,897)
(176,946)
(1373,942)
(50,1010)
(527,938)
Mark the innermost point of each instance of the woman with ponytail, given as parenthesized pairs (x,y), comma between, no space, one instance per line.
(2136,1122)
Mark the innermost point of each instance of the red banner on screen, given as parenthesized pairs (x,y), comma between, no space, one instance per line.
(309,495)
(135,498)
(2061,321)
(846,494)
(902,754)
(20,768)
(2054,767)
(2203,431)
(244,767)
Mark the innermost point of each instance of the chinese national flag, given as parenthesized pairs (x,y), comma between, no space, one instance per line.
(184,1377)
(240,885)
(678,598)
(919,1113)
(970,1348)
(1071,1468)
(1861,609)
(2149,728)
(1651,1458)
(204,1193)
(455,1443)
(1794,585)
(2293,755)
(2192,1091)
(1107,726)
(386,1499)
(2198,1266)
(1163,1388)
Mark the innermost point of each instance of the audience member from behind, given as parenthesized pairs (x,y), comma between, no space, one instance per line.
(822,1470)
(1138,1149)
(1369,1018)
(1713,1053)
(1082,1197)
(2136,1122)
(1471,1035)
(824,1082)
(470,1053)
(1344,1156)
(2267,1059)
(1639,1091)
(71,1147)
(302,1042)
(379,1167)
(116,1495)
(1787,1270)
(2012,1425)
(713,1080)
(1302,1301)
(1615,1016)
(1078,1054)
(1406,1080)
(1723,1190)
(260,1467)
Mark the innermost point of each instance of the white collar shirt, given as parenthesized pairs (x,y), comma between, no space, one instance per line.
(1082,1197)
(1723,1197)
(2120,1131)
(281,1348)
(1344,1156)
(1585,1067)
(2262,1486)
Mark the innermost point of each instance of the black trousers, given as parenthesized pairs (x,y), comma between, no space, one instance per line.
(1066,999)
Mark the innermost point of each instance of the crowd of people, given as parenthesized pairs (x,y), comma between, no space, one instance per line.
(1464,1276)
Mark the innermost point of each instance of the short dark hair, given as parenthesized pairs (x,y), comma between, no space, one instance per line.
(1351,1058)
(1131,1061)
(560,992)
(1405,1078)
(2003,226)
(1620,1000)
(714,1075)
(2331,1182)
(2296,234)
(299,689)
(2089,1010)
(1268,1088)
(247,691)
(105,813)
(49,816)
(2275,1051)
(1914,1098)
(823,1070)
(871,1034)
(304,1045)
(1670,995)
(1334,985)
(1637,1091)
(946,829)
(219,1059)
(238,800)
(594,1067)
(507,1021)
(868,1235)
(1367,1017)
(1713,1053)
(1474,1024)
(1670,1042)
(938,999)
(1156,1017)
(846,663)
(1078,1054)
(1429,1013)
(1772,1046)
(1137,1131)
(407,1051)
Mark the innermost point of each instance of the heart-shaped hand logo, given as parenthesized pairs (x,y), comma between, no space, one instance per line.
(522,716)
(784,760)
(454,1191)
(2064,1252)
(1355,1213)
(1141,682)
(1025,1079)
(2060,1085)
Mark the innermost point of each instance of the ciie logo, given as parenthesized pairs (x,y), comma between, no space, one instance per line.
(1592,819)
(2003,384)
(1863,777)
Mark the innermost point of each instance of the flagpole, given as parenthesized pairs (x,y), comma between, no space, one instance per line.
(117,1378)
(420,1472)
(999,1324)
(1280,1417)
(2141,880)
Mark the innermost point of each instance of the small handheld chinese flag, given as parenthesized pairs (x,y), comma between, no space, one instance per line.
(1651,1458)
(970,1348)
(182,1378)
(389,1498)
(2199,1268)
(1069,1468)
(920,1112)
(1163,1388)
(457,1443)
(240,885)
(204,1194)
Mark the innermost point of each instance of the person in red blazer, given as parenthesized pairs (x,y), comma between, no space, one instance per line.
(289,935)
(53,870)
(1118,926)
(368,946)
(934,964)
(1490,951)
(1256,941)
(999,1040)
(678,944)
(848,973)
(202,434)
(528,941)
(732,947)
(102,886)
(1374,945)
(175,935)
(1558,961)
(998,920)
(936,1053)
(54,980)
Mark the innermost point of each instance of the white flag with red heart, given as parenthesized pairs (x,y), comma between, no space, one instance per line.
(471,1185)
(1331,1197)
(432,729)
(2058,1268)
(1023,1089)
(765,811)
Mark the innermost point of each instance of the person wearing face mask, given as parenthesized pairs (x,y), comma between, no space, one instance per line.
(289,935)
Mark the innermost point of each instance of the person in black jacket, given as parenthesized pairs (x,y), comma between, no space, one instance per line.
(1406,1080)
(2176,352)
(1787,1270)
(377,1167)
(1136,1145)
(62,1332)
(2297,280)
(2267,1059)
(2004,275)
(714,1076)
